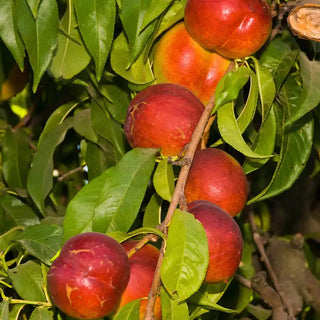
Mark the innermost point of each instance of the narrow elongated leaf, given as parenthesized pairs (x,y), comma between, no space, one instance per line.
(139,72)
(186,257)
(152,214)
(14,213)
(163,180)
(42,241)
(40,175)
(172,309)
(111,201)
(96,21)
(16,156)
(231,133)
(155,9)
(71,56)
(41,314)
(83,125)
(9,31)
(39,34)
(267,89)
(310,95)
(264,143)
(58,116)
(296,144)
(230,85)
(27,281)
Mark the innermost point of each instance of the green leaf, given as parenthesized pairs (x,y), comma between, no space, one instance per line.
(58,116)
(39,35)
(267,88)
(7,237)
(172,309)
(296,144)
(41,173)
(15,311)
(42,241)
(27,281)
(163,180)
(4,309)
(108,128)
(310,95)
(14,213)
(71,56)
(130,311)
(184,267)
(152,214)
(16,157)
(9,31)
(111,201)
(209,295)
(174,14)
(264,143)
(247,113)
(83,125)
(139,72)
(155,9)
(41,314)
(231,133)
(33,5)
(96,21)
(230,85)
(259,312)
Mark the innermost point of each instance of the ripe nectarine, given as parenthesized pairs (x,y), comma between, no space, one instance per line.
(216,176)
(142,266)
(224,240)
(162,116)
(233,28)
(89,277)
(181,60)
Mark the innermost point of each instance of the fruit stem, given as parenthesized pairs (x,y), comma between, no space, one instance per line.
(178,195)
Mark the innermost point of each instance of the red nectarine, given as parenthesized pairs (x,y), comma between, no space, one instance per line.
(216,176)
(181,60)
(89,277)
(233,28)
(162,116)
(224,240)
(142,266)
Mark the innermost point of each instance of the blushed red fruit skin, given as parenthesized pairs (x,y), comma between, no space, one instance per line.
(233,28)
(162,116)
(181,60)
(224,240)
(89,277)
(142,266)
(217,177)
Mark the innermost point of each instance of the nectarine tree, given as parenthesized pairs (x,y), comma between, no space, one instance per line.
(161,158)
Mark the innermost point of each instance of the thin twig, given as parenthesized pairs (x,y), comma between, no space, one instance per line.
(260,246)
(178,196)
(69,173)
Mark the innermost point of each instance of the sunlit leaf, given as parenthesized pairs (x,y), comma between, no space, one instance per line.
(41,314)
(111,201)
(183,268)
(130,311)
(163,180)
(96,21)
